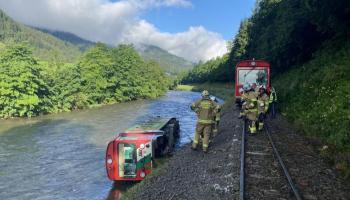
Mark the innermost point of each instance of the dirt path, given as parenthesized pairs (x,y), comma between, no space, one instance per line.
(195,175)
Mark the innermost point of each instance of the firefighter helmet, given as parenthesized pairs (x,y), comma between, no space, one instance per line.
(205,93)
(247,87)
(262,88)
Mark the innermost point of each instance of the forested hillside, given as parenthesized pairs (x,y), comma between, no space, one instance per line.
(62,46)
(169,62)
(43,71)
(103,75)
(81,43)
(45,46)
(287,33)
(307,43)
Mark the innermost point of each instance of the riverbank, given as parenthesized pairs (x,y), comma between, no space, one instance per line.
(224,91)
(195,175)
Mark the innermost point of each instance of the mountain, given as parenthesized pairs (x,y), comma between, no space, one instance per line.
(169,62)
(45,46)
(67,47)
(83,44)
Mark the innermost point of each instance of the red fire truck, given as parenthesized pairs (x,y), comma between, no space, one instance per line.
(130,156)
(255,72)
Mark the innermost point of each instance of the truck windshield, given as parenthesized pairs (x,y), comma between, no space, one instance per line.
(127,160)
(258,76)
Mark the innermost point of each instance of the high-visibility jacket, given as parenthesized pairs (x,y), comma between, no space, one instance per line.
(263,103)
(250,99)
(217,112)
(273,96)
(206,110)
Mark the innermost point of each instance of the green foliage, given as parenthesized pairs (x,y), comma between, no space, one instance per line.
(45,46)
(81,43)
(23,91)
(64,81)
(103,75)
(284,32)
(288,32)
(170,63)
(119,74)
(317,96)
(210,71)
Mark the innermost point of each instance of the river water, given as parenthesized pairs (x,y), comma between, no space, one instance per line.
(62,156)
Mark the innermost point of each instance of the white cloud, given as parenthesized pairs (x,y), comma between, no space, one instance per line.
(116,22)
(195,44)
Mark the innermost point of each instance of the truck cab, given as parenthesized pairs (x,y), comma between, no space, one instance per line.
(130,156)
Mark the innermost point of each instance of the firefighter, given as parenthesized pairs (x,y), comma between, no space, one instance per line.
(245,88)
(272,102)
(263,105)
(250,107)
(206,110)
(216,117)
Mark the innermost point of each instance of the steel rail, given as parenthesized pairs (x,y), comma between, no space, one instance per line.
(241,177)
(285,170)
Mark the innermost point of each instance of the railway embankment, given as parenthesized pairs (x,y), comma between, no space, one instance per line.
(195,175)
(315,97)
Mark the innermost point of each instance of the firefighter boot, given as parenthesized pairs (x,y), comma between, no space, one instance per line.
(261,126)
(205,149)
(252,128)
(206,136)
(195,141)
(241,115)
(215,132)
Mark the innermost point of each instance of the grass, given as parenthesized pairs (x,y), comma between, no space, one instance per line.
(316,98)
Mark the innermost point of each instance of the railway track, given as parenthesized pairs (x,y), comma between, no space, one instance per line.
(263,174)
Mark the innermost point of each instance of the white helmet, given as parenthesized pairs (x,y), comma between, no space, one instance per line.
(247,87)
(205,93)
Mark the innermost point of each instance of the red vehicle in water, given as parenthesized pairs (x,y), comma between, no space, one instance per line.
(130,156)
(255,72)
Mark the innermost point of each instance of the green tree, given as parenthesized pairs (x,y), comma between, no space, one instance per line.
(95,67)
(22,89)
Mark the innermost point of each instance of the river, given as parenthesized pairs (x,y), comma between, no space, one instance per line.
(61,156)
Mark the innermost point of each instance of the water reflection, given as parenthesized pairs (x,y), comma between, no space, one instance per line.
(118,188)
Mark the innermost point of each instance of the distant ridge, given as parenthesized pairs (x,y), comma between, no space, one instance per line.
(171,63)
(67,47)
(83,44)
(45,46)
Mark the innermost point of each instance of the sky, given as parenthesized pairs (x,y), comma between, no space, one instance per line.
(193,29)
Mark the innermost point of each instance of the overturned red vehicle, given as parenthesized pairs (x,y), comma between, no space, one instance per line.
(130,156)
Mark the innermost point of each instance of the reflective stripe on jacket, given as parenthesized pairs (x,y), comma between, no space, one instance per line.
(273,97)
(205,109)
(251,104)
